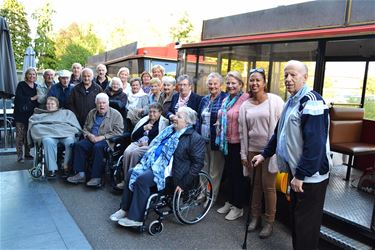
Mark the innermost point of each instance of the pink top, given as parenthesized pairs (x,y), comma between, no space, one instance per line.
(233,135)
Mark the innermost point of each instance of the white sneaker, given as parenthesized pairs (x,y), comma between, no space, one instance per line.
(225,209)
(118,215)
(234,213)
(129,223)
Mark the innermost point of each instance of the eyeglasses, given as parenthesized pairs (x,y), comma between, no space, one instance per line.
(259,70)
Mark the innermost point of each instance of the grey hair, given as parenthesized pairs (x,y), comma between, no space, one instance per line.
(116,79)
(76,64)
(123,69)
(88,70)
(102,96)
(299,64)
(184,77)
(157,106)
(101,65)
(190,115)
(169,79)
(215,75)
(48,70)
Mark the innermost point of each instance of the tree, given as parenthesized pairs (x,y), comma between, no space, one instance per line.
(15,15)
(76,44)
(44,45)
(181,32)
(73,53)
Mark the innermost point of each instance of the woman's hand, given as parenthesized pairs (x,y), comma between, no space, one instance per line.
(34,98)
(147,126)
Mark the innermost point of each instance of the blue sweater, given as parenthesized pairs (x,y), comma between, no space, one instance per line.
(60,93)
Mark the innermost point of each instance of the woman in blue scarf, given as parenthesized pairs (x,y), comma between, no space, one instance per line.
(178,151)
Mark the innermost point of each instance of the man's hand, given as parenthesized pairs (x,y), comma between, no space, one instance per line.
(296,185)
(257,160)
(95,139)
(179,189)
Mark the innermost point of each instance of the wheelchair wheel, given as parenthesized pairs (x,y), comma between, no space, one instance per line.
(156,227)
(191,206)
(36,172)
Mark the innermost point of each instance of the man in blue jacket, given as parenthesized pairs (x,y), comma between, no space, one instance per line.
(62,89)
(301,144)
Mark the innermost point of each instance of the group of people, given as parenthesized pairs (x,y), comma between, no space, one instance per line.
(176,132)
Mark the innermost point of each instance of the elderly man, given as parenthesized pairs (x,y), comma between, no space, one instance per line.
(101,124)
(301,144)
(102,79)
(43,87)
(82,98)
(62,89)
(76,74)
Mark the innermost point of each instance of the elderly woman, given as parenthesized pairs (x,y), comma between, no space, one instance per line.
(184,98)
(117,98)
(123,74)
(179,142)
(257,121)
(24,104)
(50,127)
(143,134)
(82,98)
(158,71)
(155,90)
(228,139)
(169,85)
(137,101)
(207,117)
(146,77)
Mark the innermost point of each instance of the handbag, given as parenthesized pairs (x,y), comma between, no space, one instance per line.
(283,184)
(367,181)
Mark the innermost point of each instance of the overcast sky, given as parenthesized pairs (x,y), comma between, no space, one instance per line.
(148,21)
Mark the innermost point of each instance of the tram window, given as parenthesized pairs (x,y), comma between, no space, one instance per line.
(343,83)
(370,93)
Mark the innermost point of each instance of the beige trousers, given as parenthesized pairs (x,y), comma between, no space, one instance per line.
(214,166)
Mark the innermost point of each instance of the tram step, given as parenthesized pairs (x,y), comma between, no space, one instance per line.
(341,240)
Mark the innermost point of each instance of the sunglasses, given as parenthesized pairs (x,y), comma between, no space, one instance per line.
(259,70)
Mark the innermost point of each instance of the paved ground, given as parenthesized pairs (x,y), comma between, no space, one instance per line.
(91,209)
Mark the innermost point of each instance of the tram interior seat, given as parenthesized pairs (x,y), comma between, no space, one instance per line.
(346,136)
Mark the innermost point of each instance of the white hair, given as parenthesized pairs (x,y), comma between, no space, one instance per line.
(190,115)
(88,70)
(102,96)
(299,64)
(215,75)
(169,79)
(123,69)
(115,79)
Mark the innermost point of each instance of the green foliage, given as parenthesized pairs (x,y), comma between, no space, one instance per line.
(76,44)
(44,45)
(15,15)
(74,53)
(181,32)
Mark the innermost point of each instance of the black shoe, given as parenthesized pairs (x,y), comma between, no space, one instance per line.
(64,174)
(20,159)
(51,174)
(29,157)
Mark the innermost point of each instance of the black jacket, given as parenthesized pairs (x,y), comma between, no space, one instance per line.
(82,100)
(188,159)
(193,103)
(23,105)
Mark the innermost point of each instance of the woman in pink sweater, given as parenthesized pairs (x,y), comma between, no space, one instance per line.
(228,139)
(257,121)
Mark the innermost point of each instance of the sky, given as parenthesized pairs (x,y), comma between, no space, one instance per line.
(145,21)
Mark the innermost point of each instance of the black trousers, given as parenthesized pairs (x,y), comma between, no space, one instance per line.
(307,211)
(236,191)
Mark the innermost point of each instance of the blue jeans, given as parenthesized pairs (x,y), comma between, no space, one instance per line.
(50,151)
(85,148)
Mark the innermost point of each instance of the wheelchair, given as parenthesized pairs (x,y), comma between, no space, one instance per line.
(114,156)
(38,170)
(189,206)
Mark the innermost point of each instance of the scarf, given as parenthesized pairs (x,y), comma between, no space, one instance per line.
(221,138)
(159,164)
(133,98)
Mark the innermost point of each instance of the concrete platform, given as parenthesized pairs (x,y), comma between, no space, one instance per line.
(32,216)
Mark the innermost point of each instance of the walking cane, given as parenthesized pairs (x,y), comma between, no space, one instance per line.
(244,245)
